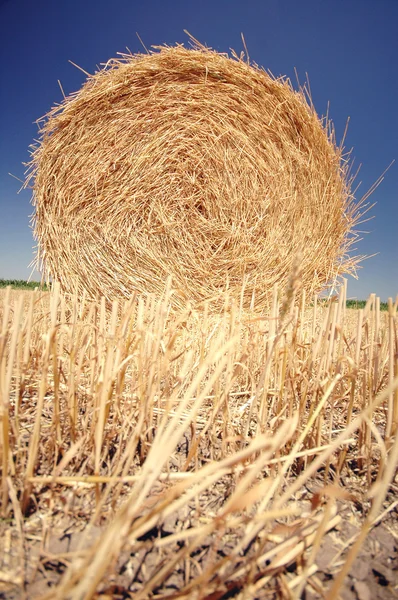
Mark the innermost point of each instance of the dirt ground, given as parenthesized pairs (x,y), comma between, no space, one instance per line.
(50,543)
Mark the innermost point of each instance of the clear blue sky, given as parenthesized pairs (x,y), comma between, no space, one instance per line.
(348,47)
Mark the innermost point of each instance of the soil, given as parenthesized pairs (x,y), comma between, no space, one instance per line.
(50,544)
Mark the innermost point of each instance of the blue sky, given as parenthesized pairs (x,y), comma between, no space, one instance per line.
(349,48)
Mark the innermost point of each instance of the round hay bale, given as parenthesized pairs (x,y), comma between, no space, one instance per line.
(189,163)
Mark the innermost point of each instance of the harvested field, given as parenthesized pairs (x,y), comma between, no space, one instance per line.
(148,452)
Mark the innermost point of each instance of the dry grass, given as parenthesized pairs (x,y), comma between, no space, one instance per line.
(195,165)
(190,454)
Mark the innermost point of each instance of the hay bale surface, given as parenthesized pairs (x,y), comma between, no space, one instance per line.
(186,162)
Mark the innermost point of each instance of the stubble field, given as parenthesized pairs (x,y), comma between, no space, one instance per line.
(154,453)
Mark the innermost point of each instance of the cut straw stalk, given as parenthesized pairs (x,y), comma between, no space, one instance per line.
(171,476)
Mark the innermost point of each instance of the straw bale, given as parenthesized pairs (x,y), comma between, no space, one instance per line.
(194,164)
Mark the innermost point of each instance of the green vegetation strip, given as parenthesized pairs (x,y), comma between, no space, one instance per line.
(20,284)
(361,304)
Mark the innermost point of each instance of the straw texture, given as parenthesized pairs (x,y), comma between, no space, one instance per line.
(189,163)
